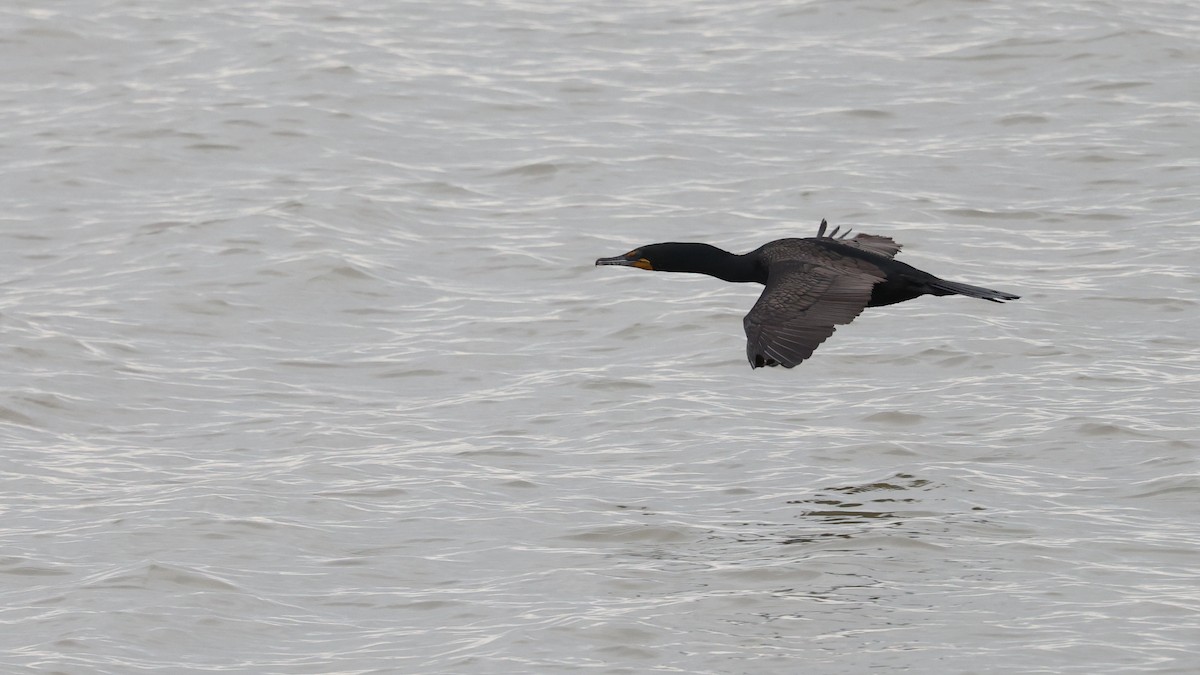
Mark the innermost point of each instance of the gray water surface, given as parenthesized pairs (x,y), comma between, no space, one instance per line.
(309,369)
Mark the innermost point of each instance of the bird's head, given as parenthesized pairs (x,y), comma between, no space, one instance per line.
(635,258)
(668,257)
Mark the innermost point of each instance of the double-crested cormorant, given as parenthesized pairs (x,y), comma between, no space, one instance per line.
(812,285)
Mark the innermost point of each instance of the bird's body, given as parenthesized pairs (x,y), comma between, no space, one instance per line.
(812,285)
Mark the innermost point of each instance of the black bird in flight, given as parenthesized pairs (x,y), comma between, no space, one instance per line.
(812,285)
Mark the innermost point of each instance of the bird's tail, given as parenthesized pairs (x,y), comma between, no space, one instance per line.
(943,287)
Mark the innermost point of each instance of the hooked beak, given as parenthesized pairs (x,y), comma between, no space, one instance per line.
(628,260)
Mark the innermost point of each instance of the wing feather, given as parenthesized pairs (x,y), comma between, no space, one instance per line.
(884,246)
(799,309)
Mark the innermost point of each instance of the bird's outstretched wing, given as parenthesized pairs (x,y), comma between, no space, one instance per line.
(884,246)
(799,308)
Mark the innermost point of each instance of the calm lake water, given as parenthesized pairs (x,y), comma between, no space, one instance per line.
(309,370)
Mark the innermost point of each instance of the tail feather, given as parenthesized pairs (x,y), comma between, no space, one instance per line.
(943,287)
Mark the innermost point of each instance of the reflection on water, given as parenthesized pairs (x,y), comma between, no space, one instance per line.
(830,507)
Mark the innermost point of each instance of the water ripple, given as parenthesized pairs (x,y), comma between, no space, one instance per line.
(310,370)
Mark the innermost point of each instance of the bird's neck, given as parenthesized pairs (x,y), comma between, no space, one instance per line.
(719,263)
